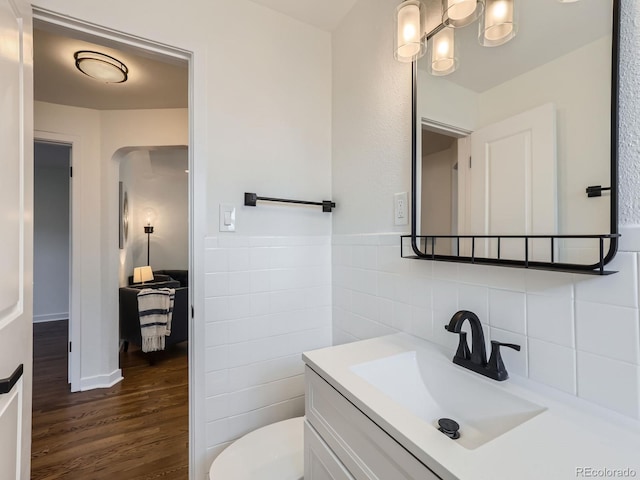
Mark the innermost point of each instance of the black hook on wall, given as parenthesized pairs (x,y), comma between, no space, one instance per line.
(596,190)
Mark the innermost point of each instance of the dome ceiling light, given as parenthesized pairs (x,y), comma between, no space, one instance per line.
(102,67)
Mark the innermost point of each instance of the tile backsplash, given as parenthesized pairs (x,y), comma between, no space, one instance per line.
(579,333)
(267,299)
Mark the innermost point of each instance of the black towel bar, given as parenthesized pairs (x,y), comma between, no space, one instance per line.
(250,200)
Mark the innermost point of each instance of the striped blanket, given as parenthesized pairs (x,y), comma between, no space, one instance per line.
(155,309)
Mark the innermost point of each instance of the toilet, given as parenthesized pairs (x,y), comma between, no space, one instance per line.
(274,452)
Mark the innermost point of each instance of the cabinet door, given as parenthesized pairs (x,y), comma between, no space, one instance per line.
(319,461)
(366,451)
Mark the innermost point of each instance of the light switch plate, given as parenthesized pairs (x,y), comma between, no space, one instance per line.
(227,218)
(400,209)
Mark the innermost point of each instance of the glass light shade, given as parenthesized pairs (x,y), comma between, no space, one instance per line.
(460,13)
(442,53)
(410,20)
(499,23)
(101,67)
(142,274)
(149,215)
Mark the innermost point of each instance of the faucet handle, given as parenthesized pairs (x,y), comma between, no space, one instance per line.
(495,364)
(500,344)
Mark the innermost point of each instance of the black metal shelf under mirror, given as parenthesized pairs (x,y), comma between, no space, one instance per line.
(515,147)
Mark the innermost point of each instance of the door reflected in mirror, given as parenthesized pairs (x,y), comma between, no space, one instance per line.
(513,137)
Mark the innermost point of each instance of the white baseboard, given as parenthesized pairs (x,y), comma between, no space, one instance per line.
(101,381)
(50,317)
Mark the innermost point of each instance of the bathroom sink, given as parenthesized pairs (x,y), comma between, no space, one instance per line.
(431,387)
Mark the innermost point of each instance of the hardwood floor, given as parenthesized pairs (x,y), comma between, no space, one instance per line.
(136,430)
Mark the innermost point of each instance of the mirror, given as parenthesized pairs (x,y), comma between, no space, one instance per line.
(508,143)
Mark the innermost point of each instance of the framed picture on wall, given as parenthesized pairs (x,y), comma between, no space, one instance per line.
(123,215)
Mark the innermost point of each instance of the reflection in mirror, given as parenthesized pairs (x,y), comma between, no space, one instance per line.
(514,136)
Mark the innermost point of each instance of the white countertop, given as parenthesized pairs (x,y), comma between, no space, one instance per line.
(569,435)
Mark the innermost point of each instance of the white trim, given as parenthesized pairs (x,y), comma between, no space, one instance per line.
(108,34)
(50,317)
(198,467)
(444,129)
(101,381)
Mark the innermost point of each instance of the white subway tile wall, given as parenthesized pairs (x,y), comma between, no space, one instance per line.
(579,334)
(268,299)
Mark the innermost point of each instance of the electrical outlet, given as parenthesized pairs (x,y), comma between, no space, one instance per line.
(401,209)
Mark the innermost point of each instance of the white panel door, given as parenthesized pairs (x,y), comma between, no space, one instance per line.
(513,184)
(16,186)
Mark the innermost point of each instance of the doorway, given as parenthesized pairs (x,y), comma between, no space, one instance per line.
(99,131)
(52,236)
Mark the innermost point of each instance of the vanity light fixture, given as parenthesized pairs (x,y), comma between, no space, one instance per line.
(460,13)
(498,24)
(410,21)
(101,67)
(442,53)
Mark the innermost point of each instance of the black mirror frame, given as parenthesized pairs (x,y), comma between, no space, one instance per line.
(597,268)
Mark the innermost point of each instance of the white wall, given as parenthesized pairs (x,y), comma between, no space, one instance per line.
(261,122)
(575,330)
(629,105)
(156,181)
(446,102)
(82,127)
(51,232)
(371,121)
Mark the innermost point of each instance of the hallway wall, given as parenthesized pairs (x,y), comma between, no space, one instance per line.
(51,235)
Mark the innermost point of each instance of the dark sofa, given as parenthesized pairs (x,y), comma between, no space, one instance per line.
(130,322)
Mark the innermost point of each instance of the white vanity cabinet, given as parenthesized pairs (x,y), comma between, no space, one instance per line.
(341,442)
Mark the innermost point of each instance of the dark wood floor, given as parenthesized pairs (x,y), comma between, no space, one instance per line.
(136,430)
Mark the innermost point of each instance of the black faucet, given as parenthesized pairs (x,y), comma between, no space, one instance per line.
(476,359)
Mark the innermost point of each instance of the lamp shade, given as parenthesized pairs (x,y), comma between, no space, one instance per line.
(142,274)
(460,13)
(410,21)
(101,67)
(498,24)
(442,53)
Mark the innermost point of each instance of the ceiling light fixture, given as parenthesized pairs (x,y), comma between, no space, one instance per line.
(101,67)
(460,13)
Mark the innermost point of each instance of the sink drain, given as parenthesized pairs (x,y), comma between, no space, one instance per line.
(449,428)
